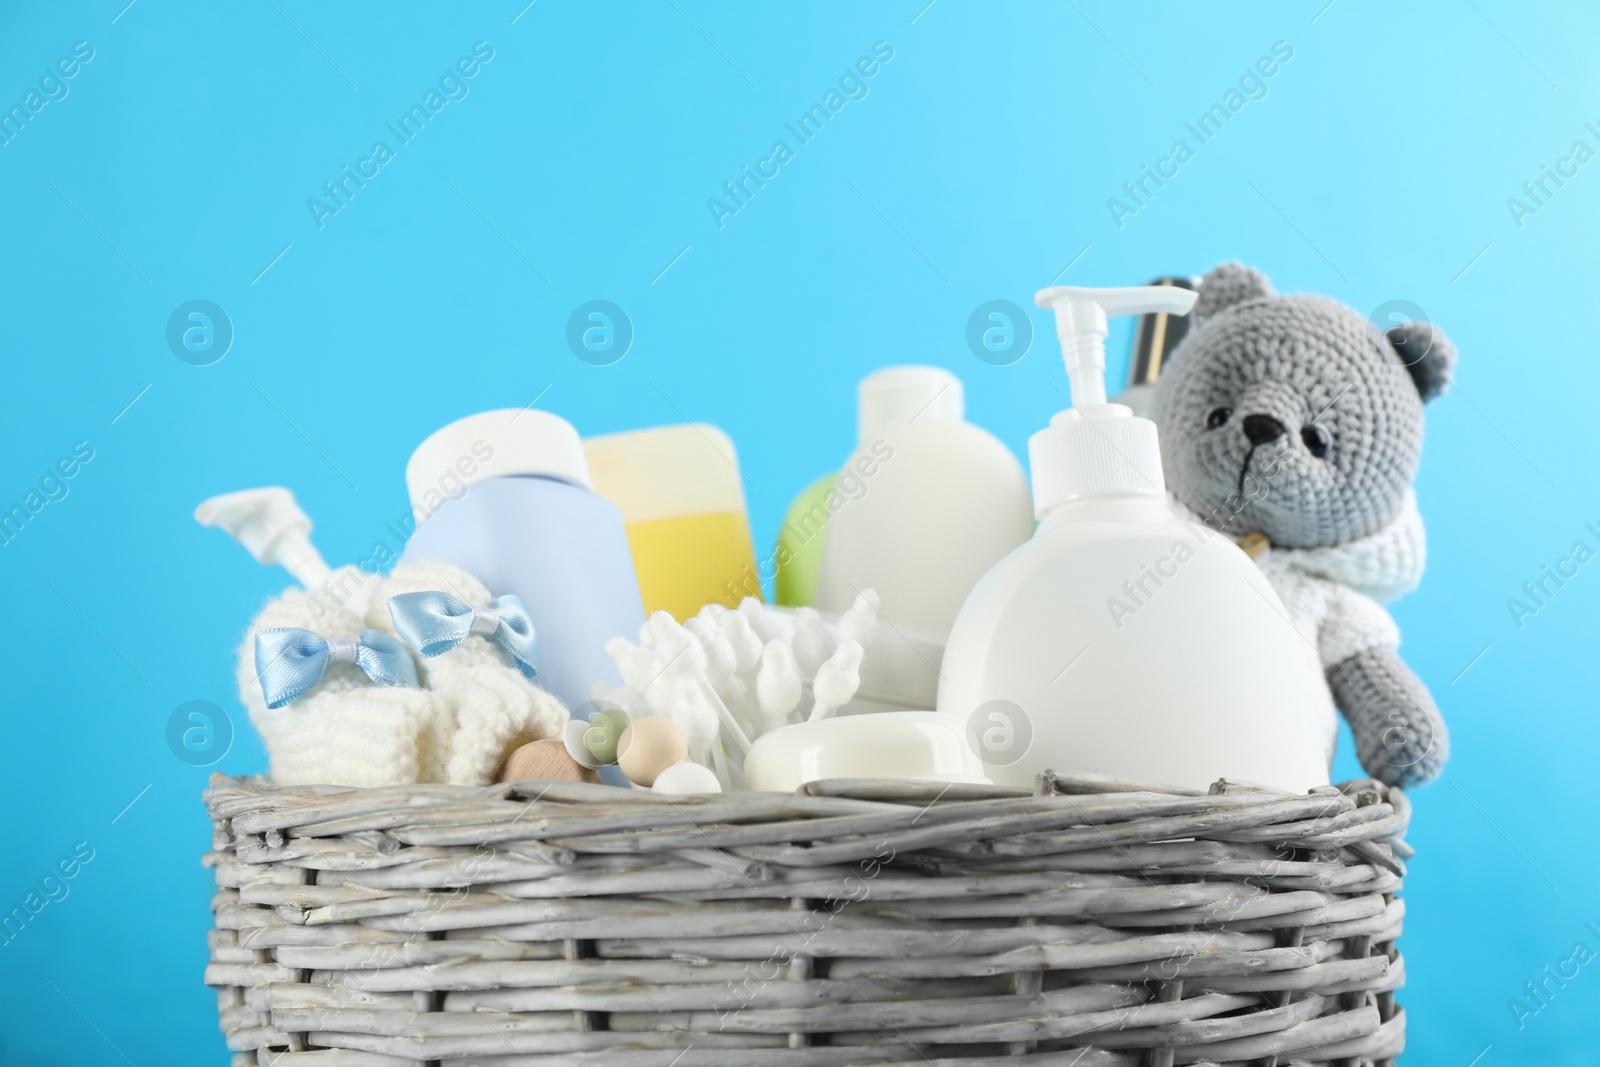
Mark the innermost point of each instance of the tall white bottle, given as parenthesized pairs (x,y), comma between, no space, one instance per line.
(924,506)
(1123,639)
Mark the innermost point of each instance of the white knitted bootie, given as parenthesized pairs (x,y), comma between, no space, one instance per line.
(343,731)
(483,708)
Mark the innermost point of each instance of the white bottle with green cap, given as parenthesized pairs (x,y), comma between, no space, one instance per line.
(1123,639)
(506,496)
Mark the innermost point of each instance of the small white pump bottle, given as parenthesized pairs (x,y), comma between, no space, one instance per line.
(1122,639)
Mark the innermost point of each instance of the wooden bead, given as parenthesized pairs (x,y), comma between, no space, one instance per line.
(546,759)
(650,746)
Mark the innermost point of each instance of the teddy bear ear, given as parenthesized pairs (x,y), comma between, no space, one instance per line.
(1427,355)
(1227,285)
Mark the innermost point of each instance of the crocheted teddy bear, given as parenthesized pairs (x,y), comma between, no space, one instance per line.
(1293,424)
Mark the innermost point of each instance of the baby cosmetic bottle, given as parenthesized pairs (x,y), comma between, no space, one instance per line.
(1122,639)
(679,491)
(506,496)
(924,506)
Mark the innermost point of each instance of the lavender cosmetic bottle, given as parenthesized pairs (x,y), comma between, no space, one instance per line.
(505,495)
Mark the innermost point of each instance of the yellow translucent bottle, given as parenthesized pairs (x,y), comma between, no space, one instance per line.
(682,503)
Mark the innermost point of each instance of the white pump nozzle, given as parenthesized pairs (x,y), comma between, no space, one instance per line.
(1096,448)
(1081,327)
(272,528)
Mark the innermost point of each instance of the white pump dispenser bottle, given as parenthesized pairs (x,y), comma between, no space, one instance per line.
(1123,639)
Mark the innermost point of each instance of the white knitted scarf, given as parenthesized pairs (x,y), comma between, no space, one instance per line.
(1333,593)
(1384,565)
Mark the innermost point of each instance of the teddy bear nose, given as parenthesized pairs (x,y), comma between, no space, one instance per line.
(1263,428)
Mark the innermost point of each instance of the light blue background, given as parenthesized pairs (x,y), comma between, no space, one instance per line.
(179,166)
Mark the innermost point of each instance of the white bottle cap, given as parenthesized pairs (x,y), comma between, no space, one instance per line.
(897,395)
(1094,448)
(496,444)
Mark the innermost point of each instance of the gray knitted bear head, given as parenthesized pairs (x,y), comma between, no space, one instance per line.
(1293,416)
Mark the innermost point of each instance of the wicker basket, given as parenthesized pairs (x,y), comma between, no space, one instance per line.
(1092,923)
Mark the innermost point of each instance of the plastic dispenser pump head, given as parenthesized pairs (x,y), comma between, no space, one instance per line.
(1096,448)
(268,522)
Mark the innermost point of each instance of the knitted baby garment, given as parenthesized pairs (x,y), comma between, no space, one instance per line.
(472,711)
(483,708)
(345,730)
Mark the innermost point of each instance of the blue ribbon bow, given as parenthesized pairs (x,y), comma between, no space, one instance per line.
(290,661)
(434,622)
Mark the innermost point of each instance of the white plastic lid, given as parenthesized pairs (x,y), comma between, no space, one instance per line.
(1095,448)
(497,444)
(895,395)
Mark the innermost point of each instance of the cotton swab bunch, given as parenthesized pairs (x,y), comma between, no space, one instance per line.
(678,688)
(727,676)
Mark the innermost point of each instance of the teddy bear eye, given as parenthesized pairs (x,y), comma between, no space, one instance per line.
(1217,417)
(1316,439)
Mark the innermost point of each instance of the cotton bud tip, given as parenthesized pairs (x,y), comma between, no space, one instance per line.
(720,659)
(778,683)
(744,642)
(812,644)
(663,627)
(837,680)
(860,623)
(764,621)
